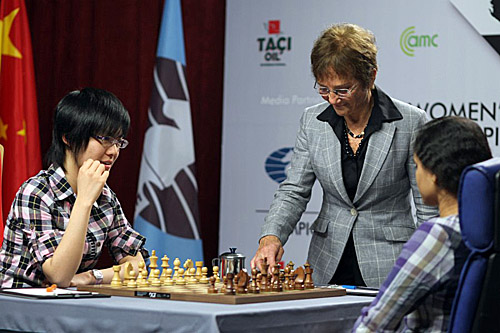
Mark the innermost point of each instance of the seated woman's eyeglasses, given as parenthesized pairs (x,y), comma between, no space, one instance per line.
(325,91)
(107,141)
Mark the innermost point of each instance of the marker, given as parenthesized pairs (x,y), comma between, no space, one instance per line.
(348,287)
(359,287)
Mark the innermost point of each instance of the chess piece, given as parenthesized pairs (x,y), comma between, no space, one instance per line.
(224,283)
(291,277)
(180,279)
(132,283)
(254,286)
(269,286)
(291,284)
(264,282)
(199,266)
(276,282)
(192,276)
(308,282)
(116,281)
(156,280)
(229,290)
(139,276)
(152,266)
(215,269)
(242,282)
(299,279)
(211,288)
(235,282)
(259,278)
(168,279)
(177,265)
(204,278)
(127,273)
(164,267)
(187,265)
(265,267)
(187,275)
(142,278)
(286,283)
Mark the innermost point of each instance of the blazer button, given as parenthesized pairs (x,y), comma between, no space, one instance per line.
(354,212)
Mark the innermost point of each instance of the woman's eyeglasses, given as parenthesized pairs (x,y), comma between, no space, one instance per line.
(107,141)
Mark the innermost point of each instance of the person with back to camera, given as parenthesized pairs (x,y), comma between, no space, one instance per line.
(418,294)
(62,217)
(357,144)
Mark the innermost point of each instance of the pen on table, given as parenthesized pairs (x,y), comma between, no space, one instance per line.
(359,287)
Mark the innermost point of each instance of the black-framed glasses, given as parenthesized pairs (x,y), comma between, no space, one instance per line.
(108,141)
(325,91)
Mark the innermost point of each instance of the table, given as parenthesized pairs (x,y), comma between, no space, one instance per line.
(134,314)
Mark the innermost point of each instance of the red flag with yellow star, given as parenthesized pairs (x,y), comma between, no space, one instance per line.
(18,111)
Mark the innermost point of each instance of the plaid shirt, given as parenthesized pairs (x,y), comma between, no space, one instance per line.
(38,218)
(418,293)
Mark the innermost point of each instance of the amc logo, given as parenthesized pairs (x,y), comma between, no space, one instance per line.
(409,40)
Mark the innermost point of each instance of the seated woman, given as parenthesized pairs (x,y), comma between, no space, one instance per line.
(61,218)
(418,293)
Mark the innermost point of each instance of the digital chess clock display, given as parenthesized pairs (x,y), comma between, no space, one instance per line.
(150,294)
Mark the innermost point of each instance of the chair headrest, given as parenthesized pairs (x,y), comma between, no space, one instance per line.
(476,200)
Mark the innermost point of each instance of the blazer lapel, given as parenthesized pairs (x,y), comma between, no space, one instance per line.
(378,148)
(334,161)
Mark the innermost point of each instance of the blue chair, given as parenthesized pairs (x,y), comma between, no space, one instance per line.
(476,307)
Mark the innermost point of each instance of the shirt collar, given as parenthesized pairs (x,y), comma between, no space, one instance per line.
(59,183)
(62,189)
(383,110)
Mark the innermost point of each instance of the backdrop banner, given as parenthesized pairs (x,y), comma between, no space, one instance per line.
(440,55)
(167,197)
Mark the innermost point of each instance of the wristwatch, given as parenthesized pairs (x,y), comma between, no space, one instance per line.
(98,276)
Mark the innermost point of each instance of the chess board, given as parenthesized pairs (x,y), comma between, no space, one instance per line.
(199,293)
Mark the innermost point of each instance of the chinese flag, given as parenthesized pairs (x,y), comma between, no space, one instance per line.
(18,110)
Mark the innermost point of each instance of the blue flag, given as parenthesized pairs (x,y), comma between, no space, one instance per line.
(167,197)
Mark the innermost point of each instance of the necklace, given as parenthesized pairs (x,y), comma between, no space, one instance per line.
(349,151)
(359,136)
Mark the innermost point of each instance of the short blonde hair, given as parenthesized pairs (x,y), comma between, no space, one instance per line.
(346,49)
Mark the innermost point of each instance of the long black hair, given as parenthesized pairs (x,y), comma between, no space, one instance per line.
(82,114)
(447,145)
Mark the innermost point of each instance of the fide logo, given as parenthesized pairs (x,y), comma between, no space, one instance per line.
(277,162)
(409,40)
(274,46)
(484,16)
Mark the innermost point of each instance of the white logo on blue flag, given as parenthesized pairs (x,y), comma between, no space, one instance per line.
(167,197)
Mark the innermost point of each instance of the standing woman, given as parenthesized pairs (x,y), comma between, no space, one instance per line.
(62,218)
(357,144)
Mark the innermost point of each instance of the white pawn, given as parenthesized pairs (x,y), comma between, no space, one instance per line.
(168,279)
(180,278)
(192,276)
(156,281)
(216,274)
(116,281)
(132,283)
(204,279)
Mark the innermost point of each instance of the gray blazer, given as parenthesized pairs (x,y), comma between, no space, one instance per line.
(380,215)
